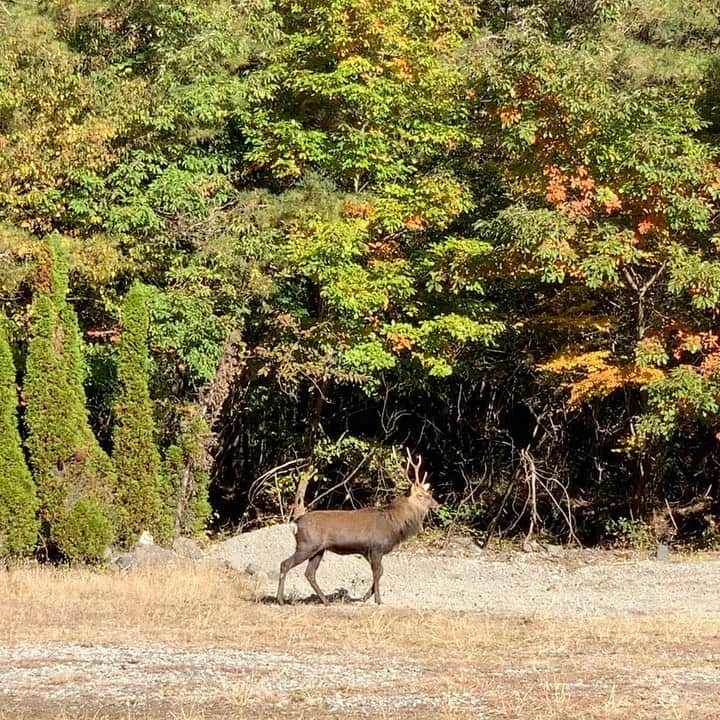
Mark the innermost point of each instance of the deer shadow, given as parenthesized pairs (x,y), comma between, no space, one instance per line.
(340,596)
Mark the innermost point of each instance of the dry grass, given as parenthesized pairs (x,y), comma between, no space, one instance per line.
(464,664)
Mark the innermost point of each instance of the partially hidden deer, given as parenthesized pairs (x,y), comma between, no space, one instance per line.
(371,532)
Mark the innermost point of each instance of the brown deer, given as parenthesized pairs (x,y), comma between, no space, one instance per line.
(371,532)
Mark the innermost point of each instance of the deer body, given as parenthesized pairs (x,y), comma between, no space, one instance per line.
(370,532)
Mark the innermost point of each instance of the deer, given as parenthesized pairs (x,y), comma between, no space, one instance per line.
(372,532)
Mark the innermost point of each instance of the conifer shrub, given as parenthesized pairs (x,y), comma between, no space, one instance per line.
(85,531)
(18,499)
(144,499)
(68,465)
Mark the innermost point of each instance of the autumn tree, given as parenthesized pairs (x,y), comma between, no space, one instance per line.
(613,199)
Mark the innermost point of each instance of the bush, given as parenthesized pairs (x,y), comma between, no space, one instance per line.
(18,500)
(142,495)
(85,532)
(627,533)
(65,457)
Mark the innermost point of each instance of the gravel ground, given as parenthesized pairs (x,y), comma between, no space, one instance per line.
(556,584)
(51,673)
(149,681)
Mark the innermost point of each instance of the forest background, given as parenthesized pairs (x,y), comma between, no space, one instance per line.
(247,247)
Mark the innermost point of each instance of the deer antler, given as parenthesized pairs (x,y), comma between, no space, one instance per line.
(416,469)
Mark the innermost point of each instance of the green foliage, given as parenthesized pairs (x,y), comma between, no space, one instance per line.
(374,471)
(187,330)
(627,533)
(187,478)
(407,209)
(673,23)
(680,401)
(140,491)
(365,90)
(18,500)
(49,120)
(693,273)
(66,460)
(85,532)
(462,515)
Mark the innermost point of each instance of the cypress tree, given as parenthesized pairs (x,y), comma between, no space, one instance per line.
(145,502)
(18,500)
(74,477)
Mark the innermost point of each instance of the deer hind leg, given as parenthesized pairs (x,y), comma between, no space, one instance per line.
(299,556)
(310,570)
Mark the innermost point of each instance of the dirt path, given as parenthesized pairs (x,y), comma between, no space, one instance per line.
(559,584)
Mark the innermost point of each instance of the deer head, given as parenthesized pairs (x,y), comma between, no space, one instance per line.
(419,492)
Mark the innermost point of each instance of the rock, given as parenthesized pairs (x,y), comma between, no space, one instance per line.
(124,560)
(144,554)
(555,551)
(145,539)
(153,555)
(187,548)
(662,552)
(253,569)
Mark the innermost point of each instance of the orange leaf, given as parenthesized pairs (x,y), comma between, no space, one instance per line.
(415,222)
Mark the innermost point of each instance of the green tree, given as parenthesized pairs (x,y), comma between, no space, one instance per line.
(72,473)
(18,500)
(367,91)
(143,501)
(372,264)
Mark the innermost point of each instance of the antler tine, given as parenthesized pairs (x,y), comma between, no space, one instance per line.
(415,466)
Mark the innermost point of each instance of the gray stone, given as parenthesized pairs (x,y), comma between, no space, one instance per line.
(124,560)
(556,551)
(145,556)
(145,539)
(187,548)
(662,552)
(253,569)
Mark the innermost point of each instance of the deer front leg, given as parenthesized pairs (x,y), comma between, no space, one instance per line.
(376,565)
(375,560)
